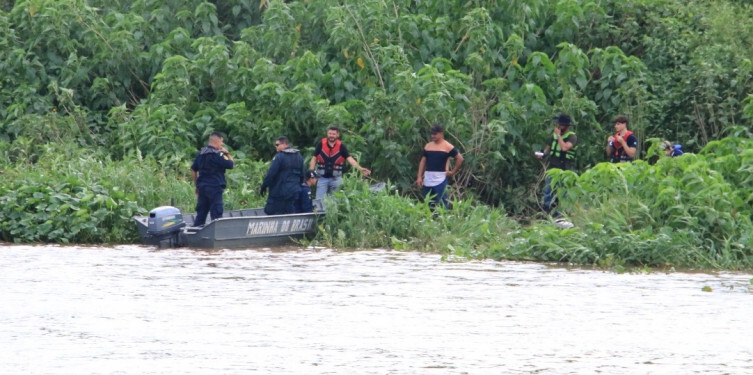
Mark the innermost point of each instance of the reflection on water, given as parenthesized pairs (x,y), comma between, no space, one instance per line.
(136,310)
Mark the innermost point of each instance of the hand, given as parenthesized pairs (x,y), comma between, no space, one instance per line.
(365,171)
(262,191)
(420,181)
(557,131)
(610,139)
(196,191)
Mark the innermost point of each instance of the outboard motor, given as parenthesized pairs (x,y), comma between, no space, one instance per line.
(163,225)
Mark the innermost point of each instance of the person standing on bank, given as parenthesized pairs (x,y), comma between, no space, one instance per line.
(208,174)
(329,157)
(561,155)
(433,169)
(621,146)
(283,179)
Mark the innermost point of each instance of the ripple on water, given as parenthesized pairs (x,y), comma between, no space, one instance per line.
(137,310)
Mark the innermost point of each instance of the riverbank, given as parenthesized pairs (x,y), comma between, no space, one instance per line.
(689,212)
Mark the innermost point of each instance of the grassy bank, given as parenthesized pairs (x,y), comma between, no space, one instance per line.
(692,211)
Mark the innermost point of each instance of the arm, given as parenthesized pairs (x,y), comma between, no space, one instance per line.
(631,146)
(220,162)
(227,160)
(630,151)
(274,169)
(355,164)
(317,150)
(194,177)
(564,146)
(610,149)
(456,167)
(421,168)
(545,151)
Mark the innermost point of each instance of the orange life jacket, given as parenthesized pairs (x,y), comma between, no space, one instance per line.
(619,155)
(330,161)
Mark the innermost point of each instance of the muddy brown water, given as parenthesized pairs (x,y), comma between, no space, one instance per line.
(137,310)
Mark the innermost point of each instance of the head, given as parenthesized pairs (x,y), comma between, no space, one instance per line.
(216,139)
(563,122)
(281,143)
(620,123)
(310,178)
(667,147)
(437,133)
(333,134)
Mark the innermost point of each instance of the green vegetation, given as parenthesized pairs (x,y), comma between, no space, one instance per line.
(103,105)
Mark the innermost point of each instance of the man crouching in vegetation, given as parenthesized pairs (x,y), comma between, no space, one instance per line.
(433,169)
(208,173)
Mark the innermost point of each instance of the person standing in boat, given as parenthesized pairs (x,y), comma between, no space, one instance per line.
(283,179)
(304,203)
(208,174)
(433,169)
(621,146)
(329,156)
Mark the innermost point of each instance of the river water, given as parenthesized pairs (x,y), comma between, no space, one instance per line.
(137,310)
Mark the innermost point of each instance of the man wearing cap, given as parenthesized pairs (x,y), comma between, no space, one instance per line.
(561,154)
(283,179)
(304,204)
(329,156)
(433,169)
(622,145)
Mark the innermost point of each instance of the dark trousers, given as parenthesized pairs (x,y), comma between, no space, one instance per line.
(550,199)
(279,206)
(209,202)
(437,193)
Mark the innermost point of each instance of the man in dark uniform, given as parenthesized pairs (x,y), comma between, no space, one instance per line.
(561,155)
(208,173)
(283,179)
(304,204)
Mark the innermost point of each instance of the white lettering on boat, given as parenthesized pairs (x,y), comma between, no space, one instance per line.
(260,228)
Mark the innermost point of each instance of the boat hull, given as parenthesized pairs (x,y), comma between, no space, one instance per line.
(250,228)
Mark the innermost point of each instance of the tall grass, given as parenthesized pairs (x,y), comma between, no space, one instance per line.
(357,217)
(69,194)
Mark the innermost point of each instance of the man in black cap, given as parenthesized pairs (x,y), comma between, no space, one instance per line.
(304,204)
(561,154)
